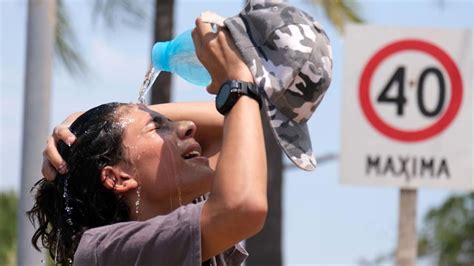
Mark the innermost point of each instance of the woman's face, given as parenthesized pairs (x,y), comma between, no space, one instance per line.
(164,157)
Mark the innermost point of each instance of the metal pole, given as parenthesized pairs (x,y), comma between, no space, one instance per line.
(39,55)
(407,241)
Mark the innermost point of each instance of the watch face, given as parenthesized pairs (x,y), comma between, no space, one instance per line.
(223,95)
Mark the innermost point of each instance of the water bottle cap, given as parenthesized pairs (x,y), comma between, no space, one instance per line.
(159,57)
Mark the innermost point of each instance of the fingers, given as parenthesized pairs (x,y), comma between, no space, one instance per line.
(48,170)
(204,34)
(53,162)
(53,158)
(213,88)
(63,133)
(203,28)
(51,153)
(197,41)
(219,55)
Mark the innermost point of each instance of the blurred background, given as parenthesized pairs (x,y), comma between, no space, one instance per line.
(101,54)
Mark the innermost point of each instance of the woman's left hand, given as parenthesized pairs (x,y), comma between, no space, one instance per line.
(53,163)
(218,53)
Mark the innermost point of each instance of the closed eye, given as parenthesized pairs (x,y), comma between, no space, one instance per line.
(156,126)
(152,126)
(158,122)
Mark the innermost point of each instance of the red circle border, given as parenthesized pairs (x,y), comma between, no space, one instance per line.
(427,132)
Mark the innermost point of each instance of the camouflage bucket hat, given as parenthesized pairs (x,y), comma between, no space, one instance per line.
(290,58)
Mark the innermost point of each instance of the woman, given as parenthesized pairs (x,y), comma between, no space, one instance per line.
(133,174)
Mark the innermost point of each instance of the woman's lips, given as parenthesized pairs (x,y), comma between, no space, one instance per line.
(192,148)
(200,159)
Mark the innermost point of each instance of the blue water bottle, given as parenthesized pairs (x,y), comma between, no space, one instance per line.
(179,56)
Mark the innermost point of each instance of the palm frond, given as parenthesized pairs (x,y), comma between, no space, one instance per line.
(340,12)
(129,12)
(351,11)
(66,44)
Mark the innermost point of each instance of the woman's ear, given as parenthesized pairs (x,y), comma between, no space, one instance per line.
(118,180)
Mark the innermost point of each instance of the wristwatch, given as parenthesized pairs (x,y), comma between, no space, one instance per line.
(231,91)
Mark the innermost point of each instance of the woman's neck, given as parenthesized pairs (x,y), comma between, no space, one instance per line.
(145,210)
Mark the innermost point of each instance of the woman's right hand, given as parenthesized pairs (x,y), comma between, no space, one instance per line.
(52,160)
(219,55)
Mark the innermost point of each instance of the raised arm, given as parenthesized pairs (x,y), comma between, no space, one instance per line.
(209,134)
(237,206)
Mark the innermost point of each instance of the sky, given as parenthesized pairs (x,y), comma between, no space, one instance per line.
(325,223)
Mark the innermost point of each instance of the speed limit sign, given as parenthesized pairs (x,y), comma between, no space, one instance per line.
(407,108)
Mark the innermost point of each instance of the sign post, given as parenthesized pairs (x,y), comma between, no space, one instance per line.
(408,115)
(407,240)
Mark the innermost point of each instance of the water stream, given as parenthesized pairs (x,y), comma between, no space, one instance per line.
(148,81)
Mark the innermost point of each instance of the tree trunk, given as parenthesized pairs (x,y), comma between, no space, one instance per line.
(38,73)
(163,31)
(265,247)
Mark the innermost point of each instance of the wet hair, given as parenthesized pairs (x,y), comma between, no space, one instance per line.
(76,201)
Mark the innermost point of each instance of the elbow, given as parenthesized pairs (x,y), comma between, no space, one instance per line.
(258,215)
(252,215)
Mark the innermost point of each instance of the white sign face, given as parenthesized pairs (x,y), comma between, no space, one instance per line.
(407,118)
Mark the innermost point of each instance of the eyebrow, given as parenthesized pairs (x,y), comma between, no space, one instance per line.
(158,119)
(155,119)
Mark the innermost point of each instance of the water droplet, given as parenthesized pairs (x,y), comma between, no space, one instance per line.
(42,261)
(69,260)
(275,9)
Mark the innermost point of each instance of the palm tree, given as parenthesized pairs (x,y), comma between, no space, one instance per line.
(39,50)
(265,247)
(163,31)
(48,30)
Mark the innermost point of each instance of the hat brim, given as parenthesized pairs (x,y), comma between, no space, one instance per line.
(292,137)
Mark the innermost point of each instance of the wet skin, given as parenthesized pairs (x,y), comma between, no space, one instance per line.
(164,158)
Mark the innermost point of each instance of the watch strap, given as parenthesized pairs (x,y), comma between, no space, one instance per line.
(235,89)
(250,89)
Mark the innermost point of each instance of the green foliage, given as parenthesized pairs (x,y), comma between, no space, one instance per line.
(448,235)
(128,12)
(66,44)
(8,207)
(340,12)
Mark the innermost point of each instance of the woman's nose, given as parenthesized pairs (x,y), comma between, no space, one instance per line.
(186,129)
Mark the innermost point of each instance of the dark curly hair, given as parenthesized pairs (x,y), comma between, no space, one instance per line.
(77,200)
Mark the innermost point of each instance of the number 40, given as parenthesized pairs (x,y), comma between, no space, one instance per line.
(400,100)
